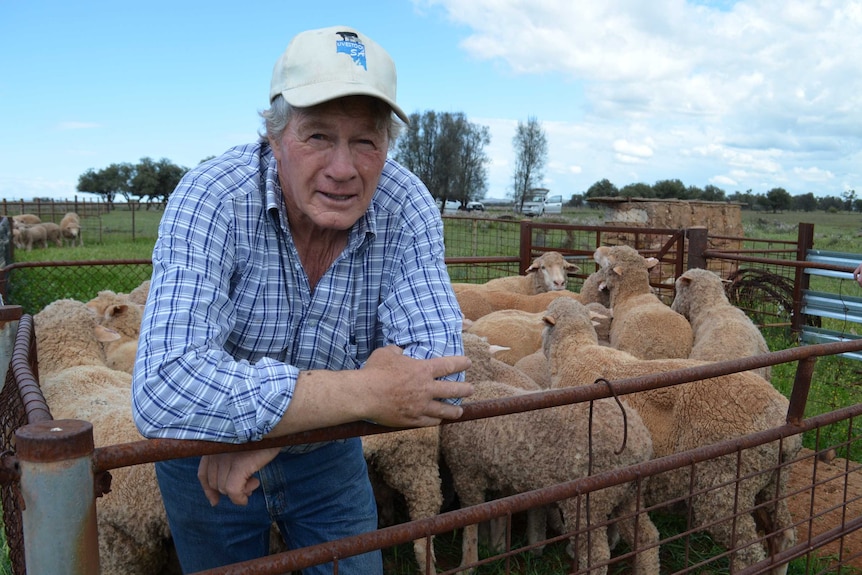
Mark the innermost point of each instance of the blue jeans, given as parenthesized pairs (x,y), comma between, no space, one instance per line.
(314,497)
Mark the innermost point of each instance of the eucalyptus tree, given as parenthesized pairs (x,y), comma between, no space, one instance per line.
(531,154)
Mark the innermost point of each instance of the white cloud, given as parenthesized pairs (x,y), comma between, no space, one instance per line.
(748,93)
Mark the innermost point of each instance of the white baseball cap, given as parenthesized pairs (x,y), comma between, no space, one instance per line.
(328,63)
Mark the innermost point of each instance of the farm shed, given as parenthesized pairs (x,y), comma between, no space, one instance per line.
(828,524)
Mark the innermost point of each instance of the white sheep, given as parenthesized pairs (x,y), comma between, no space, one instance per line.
(27,219)
(518,331)
(407,461)
(475,303)
(535,365)
(52,233)
(117,312)
(67,335)
(524,451)
(133,530)
(70,228)
(721,330)
(687,416)
(548,272)
(642,324)
(134,538)
(29,235)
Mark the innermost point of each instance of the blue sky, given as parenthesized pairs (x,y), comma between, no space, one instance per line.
(753,94)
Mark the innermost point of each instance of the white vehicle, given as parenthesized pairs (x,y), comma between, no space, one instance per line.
(540,203)
(475,206)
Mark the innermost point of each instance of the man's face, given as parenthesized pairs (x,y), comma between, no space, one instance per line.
(329,162)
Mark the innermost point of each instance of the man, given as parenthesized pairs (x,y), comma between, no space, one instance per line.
(298,282)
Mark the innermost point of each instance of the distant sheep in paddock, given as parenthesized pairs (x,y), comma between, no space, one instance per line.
(721,330)
(70,228)
(52,233)
(25,219)
(642,324)
(26,236)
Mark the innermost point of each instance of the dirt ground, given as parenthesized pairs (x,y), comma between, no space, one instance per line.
(837,494)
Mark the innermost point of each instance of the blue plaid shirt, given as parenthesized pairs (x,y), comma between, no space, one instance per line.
(231,320)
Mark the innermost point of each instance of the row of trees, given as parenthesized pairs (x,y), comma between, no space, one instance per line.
(775,200)
(147,180)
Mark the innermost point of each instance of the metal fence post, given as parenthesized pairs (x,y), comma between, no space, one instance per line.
(59,504)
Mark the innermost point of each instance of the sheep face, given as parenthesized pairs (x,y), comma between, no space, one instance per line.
(553,270)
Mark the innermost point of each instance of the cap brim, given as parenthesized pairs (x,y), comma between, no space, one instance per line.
(314,94)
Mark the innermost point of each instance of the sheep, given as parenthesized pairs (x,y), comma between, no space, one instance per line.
(52,233)
(70,227)
(547,273)
(535,365)
(132,524)
(67,335)
(118,313)
(475,303)
(687,416)
(485,365)
(519,331)
(30,235)
(642,324)
(721,330)
(408,462)
(523,452)
(140,293)
(26,219)
(134,537)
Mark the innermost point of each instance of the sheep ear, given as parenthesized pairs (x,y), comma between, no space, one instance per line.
(466,324)
(617,270)
(572,267)
(497,348)
(726,282)
(684,280)
(601,255)
(651,263)
(115,309)
(549,320)
(530,269)
(596,315)
(595,323)
(105,334)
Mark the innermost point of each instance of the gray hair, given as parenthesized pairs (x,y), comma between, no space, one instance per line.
(279,114)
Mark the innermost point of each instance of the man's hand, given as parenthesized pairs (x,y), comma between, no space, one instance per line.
(231,474)
(406,391)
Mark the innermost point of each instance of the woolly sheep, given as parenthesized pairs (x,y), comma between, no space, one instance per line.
(28,219)
(67,335)
(52,233)
(408,462)
(523,452)
(518,331)
(475,303)
(687,416)
(548,272)
(721,330)
(134,538)
(70,228)
(30,235)
(485,365)
(536,366)
(117,312)
(642,324)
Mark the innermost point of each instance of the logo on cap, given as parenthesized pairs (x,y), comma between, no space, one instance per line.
(352,46)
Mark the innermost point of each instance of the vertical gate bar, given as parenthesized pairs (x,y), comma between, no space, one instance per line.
(59,504)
